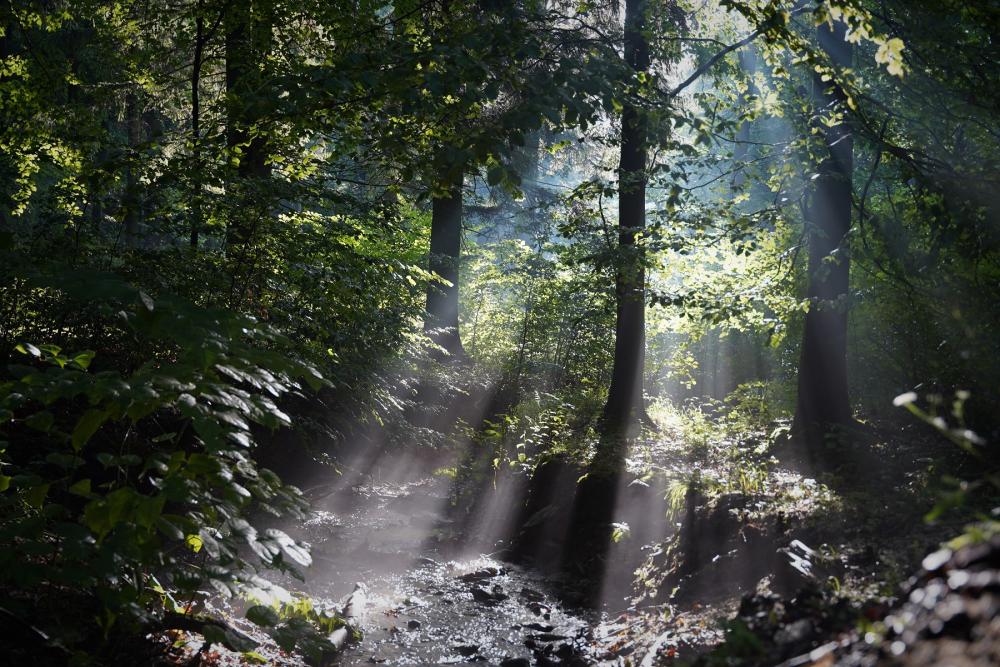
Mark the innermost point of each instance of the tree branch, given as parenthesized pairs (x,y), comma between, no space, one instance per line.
(710,63)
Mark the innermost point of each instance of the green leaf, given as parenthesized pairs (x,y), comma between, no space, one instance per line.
(28,348)
(148,510)
(254,658)
(35,496)
(41,421)
(102,516)
(168,528)
(193,542)
(262,615)
(147,301)
(87,426)
(84,358)
(494,175)
(81,488)
(228,637)
(203,464)
(66,461)
(295,551)
(4,483)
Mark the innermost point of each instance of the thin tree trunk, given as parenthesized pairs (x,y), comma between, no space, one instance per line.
(5,171)
(133,212)
(715,342)
(742,148)
(199,45)
(822,385)
(523,343)
(624,405)
(441,320)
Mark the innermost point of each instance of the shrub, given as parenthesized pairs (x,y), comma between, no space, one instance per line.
(135,488)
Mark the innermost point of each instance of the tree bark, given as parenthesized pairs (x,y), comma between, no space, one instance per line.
(132,200)
(742,148)
(441,320)
(199,46)
(823,401)
(248,39)
(624,406)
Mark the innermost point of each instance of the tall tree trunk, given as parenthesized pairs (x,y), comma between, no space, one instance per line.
(589,534)
(6,169)
(199,46)
(441,320)
(248,40)
(624,405)
(132,200)
(742,148)
(823,400)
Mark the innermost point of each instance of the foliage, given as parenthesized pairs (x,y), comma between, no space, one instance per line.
(958,492)
(110,478)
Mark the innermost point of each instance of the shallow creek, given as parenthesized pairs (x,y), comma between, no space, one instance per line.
(420,607)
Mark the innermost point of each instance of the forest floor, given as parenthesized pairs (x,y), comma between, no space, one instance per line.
(744,525)
(421,607)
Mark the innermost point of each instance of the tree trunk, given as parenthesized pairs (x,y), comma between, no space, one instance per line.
(624,405)
(441,320)
(132,200)
(6,168)
(199,46)
(248,39)
(823,400)
(742,148)
(589,534)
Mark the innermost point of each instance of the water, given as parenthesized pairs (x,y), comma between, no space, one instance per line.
(424,608)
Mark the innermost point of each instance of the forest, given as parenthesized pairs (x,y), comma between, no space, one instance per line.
(518,332)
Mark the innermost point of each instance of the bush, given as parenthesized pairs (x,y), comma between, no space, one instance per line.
(134,488)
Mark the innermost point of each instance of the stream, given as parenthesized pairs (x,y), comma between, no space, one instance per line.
(423,607)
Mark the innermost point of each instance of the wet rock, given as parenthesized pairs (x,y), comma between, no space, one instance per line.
(482,575)
(949,615)
(413,624)
(793,632)
(414,601)
(515,662)
(625,650)
(539,609)
(564,654)
(532,595)
(487,597)
(566,651)
(538,627)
